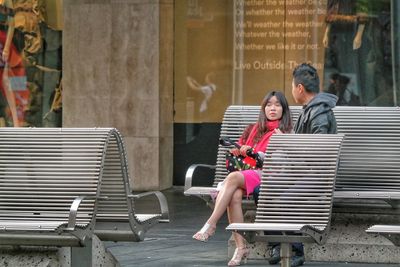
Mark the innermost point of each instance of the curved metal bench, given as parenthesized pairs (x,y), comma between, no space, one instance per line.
(59,185)
(296,193)
(236,119)
(369,169)
(116,219)
(369,161)
(391,232)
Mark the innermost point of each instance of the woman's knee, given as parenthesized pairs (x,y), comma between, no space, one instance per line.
(235,178)
(237,197)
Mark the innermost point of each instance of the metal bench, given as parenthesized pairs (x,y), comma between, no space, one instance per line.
(59,185)
(296,192)
(370,157)
(391,232)
(369,169)
(369,161)
(236,119)
(116,219)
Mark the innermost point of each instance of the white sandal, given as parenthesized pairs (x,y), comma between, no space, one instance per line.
(206,232)
(239,255)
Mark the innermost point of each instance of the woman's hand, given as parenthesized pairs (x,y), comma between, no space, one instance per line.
(325,40)
(235,151)
(278,131)
(5,55)
(243,150)
(358,39)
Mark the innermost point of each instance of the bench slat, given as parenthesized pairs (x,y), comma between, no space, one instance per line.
(269,227)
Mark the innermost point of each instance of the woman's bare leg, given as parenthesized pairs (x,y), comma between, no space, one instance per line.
(234,181)
(235,215)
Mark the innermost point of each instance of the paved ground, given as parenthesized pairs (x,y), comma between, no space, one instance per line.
(171,244)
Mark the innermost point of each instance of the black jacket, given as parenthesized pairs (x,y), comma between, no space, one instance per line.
(317,116)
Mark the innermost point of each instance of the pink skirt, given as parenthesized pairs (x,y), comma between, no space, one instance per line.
(252,179)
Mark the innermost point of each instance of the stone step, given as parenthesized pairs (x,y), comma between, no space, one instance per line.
(36,256)
(366,253)
(347,241)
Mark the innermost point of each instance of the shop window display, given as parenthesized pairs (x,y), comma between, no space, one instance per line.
(358,41)
(31,65)
(259,42)
(235,51)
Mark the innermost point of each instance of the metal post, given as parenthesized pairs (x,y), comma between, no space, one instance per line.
(238,57)
(286,254)
(82,256)
(395,26)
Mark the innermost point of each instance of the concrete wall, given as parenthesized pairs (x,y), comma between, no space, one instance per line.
(118,72)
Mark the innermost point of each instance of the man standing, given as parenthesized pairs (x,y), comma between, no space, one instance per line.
(316,117)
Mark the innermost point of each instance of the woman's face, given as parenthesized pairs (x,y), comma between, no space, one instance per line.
(273,109)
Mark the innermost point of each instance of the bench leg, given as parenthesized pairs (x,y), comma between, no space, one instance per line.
(286,254)
(82,256)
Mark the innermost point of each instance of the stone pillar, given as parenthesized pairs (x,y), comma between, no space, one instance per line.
(118,72)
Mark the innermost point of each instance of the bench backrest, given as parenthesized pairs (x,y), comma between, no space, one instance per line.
(115,183)
(370,154)
(42,171)
(116,219)
(298,179)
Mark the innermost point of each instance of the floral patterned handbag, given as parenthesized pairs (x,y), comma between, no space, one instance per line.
(253,160)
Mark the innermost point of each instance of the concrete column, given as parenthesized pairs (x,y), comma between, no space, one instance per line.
(118,72)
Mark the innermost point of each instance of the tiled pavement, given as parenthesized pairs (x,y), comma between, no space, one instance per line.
(171,244)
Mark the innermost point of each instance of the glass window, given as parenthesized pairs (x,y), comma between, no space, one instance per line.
(234,52)
(203,59)
(358,57)
(30,65)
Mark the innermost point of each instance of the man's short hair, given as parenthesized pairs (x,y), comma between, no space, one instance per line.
(306,75)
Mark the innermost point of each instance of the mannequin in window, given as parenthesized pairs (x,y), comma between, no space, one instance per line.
(359,19)
(357,39)
(7,17)
(360,30)
(207,89)
(341,12)
(7,22)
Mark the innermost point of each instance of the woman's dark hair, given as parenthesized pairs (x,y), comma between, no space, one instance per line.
(285,124)
(343,79)
(334,76)
(306,75)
